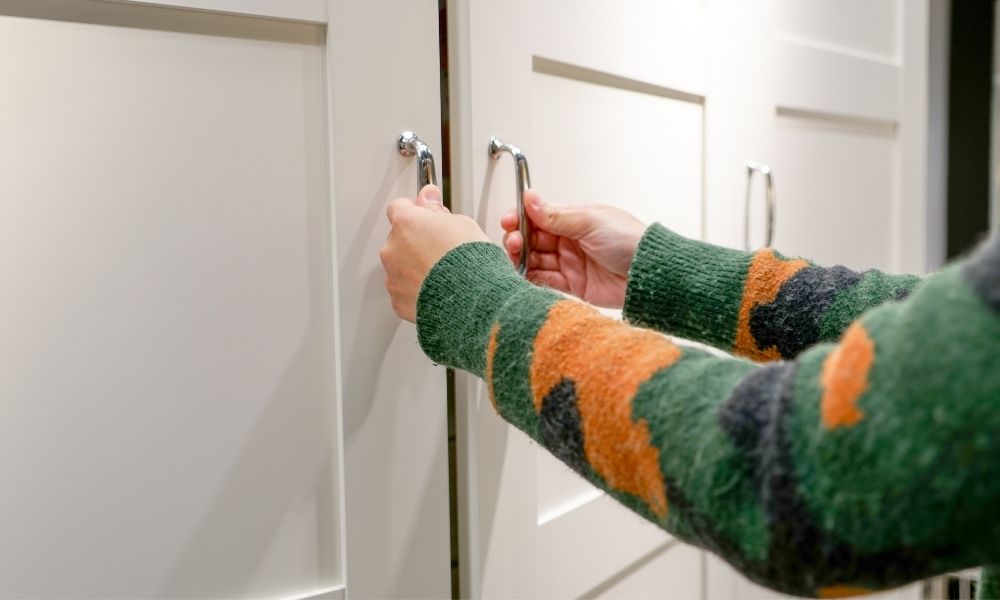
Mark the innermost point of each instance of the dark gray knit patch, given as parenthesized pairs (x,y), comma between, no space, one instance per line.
(801,557)
(982,271)
(902,293)
(559,426)
(747,412)
(793,322)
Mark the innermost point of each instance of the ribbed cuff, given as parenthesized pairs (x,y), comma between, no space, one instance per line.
(685,287)
(459,301)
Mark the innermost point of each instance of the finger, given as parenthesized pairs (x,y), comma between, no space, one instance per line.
(531,197)
(397,205)
(430,197)
(543,261)
(552,279)
(560,219)
(509,220)
(540,240)
(512,242)
(513,255)
(544,241)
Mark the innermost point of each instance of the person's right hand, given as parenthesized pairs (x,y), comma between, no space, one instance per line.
(582,250)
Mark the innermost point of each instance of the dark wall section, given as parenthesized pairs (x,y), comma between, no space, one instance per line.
(969,113)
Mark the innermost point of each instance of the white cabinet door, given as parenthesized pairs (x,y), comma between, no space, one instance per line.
(841,94)
(204,390)
(850,136)
(607,99)
(840,99)
(656,106)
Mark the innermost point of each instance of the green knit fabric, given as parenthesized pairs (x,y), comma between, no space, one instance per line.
(473,281)
(989,584)
(860,464)
(694,290)
(672,289)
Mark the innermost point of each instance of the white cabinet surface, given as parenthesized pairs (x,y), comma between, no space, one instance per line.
(657,107)
(205,392)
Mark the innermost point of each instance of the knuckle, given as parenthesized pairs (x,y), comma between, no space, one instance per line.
(404,216)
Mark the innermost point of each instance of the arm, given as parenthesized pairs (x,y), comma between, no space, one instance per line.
(865,464)
(759,305)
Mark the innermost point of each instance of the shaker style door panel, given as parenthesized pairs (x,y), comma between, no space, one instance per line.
(838,109)
(657,107)
(604,115)
(837,179)
(189,410)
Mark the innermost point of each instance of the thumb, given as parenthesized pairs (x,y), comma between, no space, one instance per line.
(560,219)
(430,197)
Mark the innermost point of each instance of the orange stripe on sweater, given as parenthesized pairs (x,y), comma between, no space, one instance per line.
(841,591)
(765,277)
(845,377)
(607,361)
(491,350)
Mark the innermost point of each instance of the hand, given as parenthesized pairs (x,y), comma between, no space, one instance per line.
(582,250)
(421,232)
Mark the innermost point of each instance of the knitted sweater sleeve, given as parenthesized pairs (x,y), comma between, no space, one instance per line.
(759,305)
(861,465)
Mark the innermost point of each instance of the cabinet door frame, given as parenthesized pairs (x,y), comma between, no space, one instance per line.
(507,548)
(731,67)
(389,470)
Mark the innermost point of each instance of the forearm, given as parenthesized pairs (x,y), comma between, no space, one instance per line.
(759,305)
(856,466)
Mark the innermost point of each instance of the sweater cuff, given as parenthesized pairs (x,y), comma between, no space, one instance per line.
(685,287)
(459,301)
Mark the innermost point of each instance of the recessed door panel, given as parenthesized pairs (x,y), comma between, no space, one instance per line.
(164,257)
(836,188)
(205,391)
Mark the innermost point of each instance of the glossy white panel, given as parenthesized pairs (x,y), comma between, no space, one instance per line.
(559,487)
(599,144)
(490,73)
(394,397)
(869,26)
(835,191)
(670,572)
(313,11)
(659,42)
(724,583)
(168,389)
(592,544)
(818,79)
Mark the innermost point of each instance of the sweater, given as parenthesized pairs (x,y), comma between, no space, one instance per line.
(852,444)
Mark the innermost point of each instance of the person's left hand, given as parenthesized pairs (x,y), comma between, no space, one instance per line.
(421,232)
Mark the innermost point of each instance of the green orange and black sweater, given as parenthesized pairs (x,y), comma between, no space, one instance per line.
(864,453)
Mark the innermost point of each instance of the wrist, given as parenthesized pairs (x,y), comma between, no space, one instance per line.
(685,287)
(458,302)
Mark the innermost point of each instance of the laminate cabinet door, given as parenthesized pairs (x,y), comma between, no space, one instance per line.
(204,390)
(607,99)
(657,106)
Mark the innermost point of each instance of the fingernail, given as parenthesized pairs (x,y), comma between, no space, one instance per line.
(433,195)
(536,201)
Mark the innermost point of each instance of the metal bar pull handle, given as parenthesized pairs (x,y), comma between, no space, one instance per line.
(752,169)
(411,145)
(498,147)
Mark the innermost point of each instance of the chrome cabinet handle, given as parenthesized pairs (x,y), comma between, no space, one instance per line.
(765,170)
(498,147)
(411,145)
